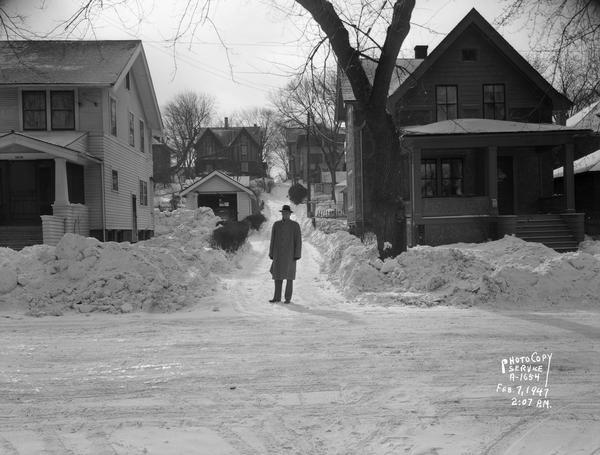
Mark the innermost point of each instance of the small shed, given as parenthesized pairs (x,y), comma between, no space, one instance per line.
(228,198)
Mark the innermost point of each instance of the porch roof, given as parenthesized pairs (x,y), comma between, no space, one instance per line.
(55,144)
(485,132)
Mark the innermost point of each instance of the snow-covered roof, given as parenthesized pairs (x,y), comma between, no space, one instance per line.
(481,126)
(218,175)
(586,117)
(588,163)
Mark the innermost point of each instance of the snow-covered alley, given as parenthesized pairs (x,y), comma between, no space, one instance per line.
(230,373)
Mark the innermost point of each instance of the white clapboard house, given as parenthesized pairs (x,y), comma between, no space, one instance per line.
(76,126)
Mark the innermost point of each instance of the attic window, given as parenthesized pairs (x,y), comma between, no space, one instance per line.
(127,82)
(469,55)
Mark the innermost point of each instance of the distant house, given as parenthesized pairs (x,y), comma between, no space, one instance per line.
(227,197)
(477,142)
(161,159)
(235,150)
(76,125)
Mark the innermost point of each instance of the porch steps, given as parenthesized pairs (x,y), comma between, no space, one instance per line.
(18,237)
(551,230)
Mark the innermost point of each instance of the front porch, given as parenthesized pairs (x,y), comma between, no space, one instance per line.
(489,179)
(42,191)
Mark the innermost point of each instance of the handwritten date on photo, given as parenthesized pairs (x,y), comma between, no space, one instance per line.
(521,393)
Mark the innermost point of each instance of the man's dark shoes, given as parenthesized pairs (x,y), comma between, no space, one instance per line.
(274,301)
(287,301)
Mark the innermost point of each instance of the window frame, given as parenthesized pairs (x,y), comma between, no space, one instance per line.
(112,109)
(115,180)
(131,129)
(494,103)
(143,199)
(52,110)
(438,104)
(142,136)
(439,179)
(469,52)
(44,110)
(127,81)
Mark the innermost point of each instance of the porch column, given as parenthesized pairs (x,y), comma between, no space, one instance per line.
(417,203)
(569,178)
(61,188)
(492,179)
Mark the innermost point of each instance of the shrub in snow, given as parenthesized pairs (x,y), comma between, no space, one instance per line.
(297,193)
(255,221)
(231,235)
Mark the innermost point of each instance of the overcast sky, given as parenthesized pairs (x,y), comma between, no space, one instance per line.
(262,43)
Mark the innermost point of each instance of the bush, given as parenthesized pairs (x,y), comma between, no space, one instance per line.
(297,193)
(230,236)
(255,221)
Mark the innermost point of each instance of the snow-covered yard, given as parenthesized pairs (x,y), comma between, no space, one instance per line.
(401,356)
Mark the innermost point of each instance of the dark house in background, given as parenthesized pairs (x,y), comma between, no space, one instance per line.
(161,154)
(235,150)
(477,143)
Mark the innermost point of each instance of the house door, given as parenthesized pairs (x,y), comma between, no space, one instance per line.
(134,229)
(506,186)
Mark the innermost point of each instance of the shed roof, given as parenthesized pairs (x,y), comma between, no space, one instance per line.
(588,163)
(65,62)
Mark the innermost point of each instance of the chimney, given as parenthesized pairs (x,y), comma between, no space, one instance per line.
(421,51)
(226,122)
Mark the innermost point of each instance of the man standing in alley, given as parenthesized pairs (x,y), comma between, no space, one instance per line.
(285,250)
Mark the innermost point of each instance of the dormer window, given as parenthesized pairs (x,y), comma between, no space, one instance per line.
(469,55)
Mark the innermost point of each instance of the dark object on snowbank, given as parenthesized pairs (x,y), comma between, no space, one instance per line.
(255,220)
(230,236)
(297,193)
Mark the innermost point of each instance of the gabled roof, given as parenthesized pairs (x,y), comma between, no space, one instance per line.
(588,163)
(217,175)
(53,145)
(65,62)
(227,136)
(588,117)
(476,19)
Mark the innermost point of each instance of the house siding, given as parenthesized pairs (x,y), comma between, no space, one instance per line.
(90,109)
(93,195)
(9,109)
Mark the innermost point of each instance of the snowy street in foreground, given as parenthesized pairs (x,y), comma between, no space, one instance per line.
(232,374)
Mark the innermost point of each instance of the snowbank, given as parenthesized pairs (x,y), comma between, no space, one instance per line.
(509,271)
(83,274)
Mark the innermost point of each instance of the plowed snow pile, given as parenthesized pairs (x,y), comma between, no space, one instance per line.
(83,274)
(509,271)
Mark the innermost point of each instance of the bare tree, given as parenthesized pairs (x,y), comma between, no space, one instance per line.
(567,41)
(185,118)
(314,94)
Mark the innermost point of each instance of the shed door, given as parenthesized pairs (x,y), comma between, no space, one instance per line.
(506,186)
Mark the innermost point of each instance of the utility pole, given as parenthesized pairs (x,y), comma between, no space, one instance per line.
(308,211)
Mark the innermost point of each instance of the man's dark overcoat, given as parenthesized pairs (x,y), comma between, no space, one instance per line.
(286,245)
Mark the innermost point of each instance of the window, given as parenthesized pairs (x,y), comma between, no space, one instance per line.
(127,81)
(428,178)
(446,102)
(244,166)
(62,108)
(493,102)
(142,136)
(115,180)
(442,177)
(34,110)
(244,151)
(469,55)
(113,116)
(131,130)
(143,192)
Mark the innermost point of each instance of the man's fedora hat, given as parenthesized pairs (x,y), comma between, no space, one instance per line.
(286,208)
